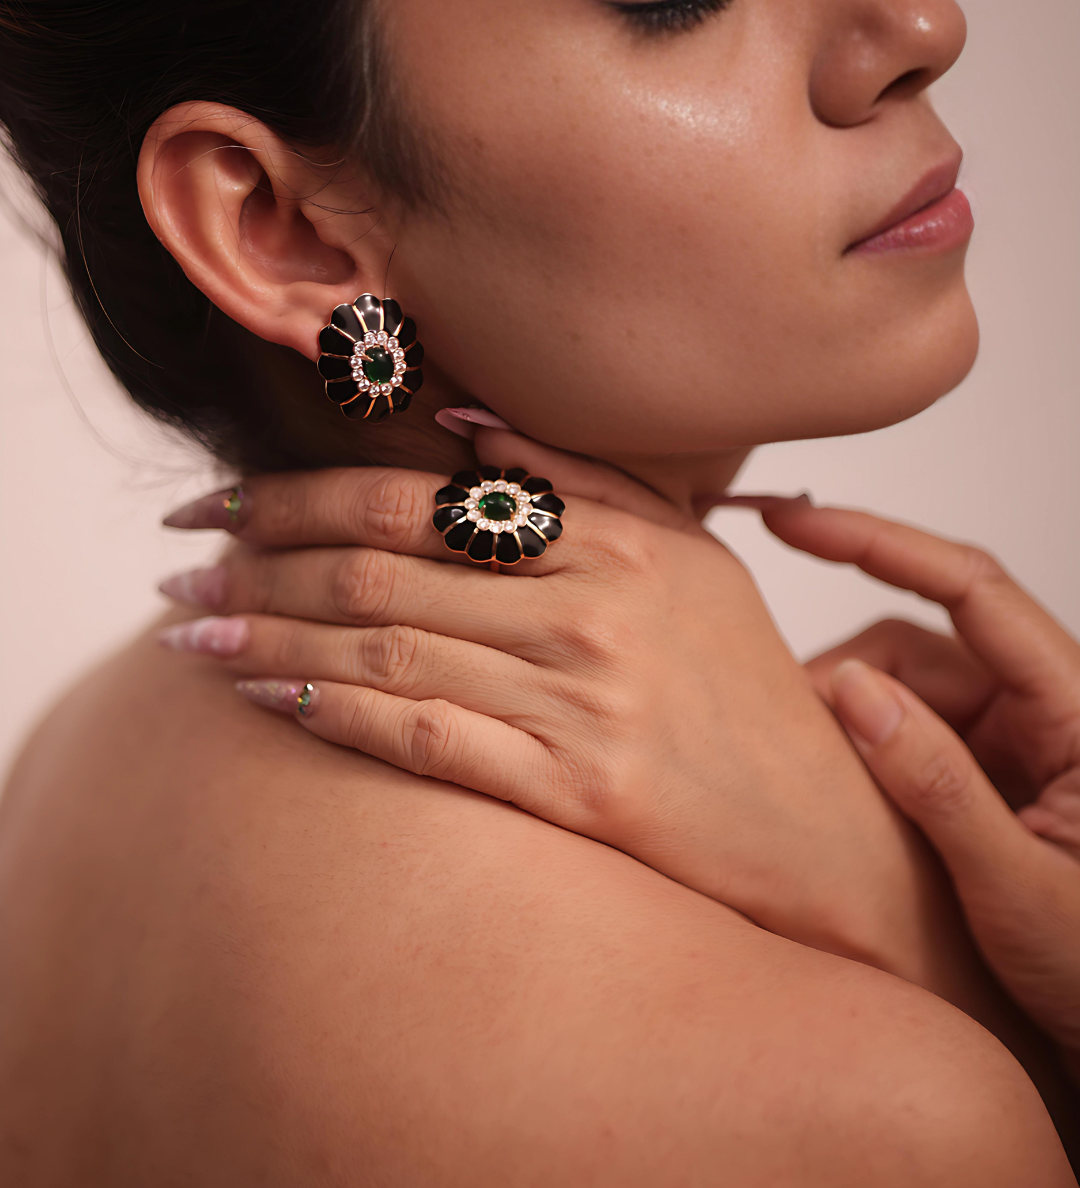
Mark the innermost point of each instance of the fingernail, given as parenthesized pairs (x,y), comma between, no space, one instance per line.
(200,587)
(765,502)
(864,702)
(288,697)
(208,637)
(220,510)
(464,421)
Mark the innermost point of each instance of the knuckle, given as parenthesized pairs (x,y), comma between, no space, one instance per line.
(595,635)
(433,740)
(285,505)
(625,552)
(607,708)
(394,511)
(941,784)
(389,655)
(364,586)
(981,569)
(285,651)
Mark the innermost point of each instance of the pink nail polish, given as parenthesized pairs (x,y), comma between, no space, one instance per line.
(220,510)
(208,637)
(288,697)
(764,502)
(464,421)
(200,587)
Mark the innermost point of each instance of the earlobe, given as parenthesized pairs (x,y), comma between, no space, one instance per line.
(254,224)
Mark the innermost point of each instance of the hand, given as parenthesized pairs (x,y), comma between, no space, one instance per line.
(629,686)
(1010,685)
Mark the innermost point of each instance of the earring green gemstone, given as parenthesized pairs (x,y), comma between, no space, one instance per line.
(498,506)
(378,365)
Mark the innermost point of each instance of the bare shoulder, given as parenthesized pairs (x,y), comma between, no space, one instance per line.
(242,956)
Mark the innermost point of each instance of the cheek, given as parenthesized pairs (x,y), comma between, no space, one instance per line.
(655,265)
(626,276)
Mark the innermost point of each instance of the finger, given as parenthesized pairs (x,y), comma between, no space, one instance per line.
(398,660)
(373,507)
(575,474)
(1021,895)
(371,588)
(1055,815)
(1004,626)
(932,777)
(429,738)
(939,669)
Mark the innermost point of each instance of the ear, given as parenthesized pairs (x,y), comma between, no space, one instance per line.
(272,237)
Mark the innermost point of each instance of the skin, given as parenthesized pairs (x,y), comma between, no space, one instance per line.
(244,890)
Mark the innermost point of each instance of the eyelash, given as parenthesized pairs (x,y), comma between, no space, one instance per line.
(668,16)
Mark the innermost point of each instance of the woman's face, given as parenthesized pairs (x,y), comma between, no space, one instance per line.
(648,245)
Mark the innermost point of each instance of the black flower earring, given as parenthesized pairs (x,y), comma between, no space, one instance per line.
(370,359)
(497,515)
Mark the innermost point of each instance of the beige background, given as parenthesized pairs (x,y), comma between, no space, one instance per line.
(84,479)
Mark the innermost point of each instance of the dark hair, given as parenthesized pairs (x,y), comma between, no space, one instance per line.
(81,82)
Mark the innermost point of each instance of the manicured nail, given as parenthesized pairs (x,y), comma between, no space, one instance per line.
(200,587)
(288,697)
(464,421)
(220,510)
(208,637)
(864,703)
(765,502)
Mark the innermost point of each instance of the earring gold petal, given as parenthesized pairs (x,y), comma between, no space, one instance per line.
(370,358)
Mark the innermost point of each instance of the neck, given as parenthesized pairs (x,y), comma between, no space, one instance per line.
(319,435)
(691,481)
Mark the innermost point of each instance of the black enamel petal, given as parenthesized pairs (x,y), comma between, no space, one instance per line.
(345,318)
(490,474)
(508,551)
(536,486)
(550,503)
(392,318)
(460,535)
(342,390)
(452,494)
(406,336)
(482,546)
(358,410)
(333,342)
(466,479)
(532,543)
(370,309)
(381,409)
(333,368)
(402,399)
(516,475)
(414,356)
(447,517)
(548,525)
(411,381)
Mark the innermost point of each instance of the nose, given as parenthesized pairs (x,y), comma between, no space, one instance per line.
(878,51)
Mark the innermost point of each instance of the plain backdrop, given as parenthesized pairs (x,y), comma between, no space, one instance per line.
(84,479)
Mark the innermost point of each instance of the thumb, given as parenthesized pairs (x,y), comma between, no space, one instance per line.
(931,776)
(576,474)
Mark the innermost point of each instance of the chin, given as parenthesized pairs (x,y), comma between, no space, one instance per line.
(929,363)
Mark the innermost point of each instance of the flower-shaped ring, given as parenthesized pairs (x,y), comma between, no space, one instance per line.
(370,358)
(498,515)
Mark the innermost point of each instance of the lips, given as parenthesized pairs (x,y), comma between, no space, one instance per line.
(933,216)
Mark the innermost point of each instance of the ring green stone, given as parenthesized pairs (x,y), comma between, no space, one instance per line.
(498,506)
(379,365)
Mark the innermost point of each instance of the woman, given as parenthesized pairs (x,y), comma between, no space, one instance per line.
(243,954)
